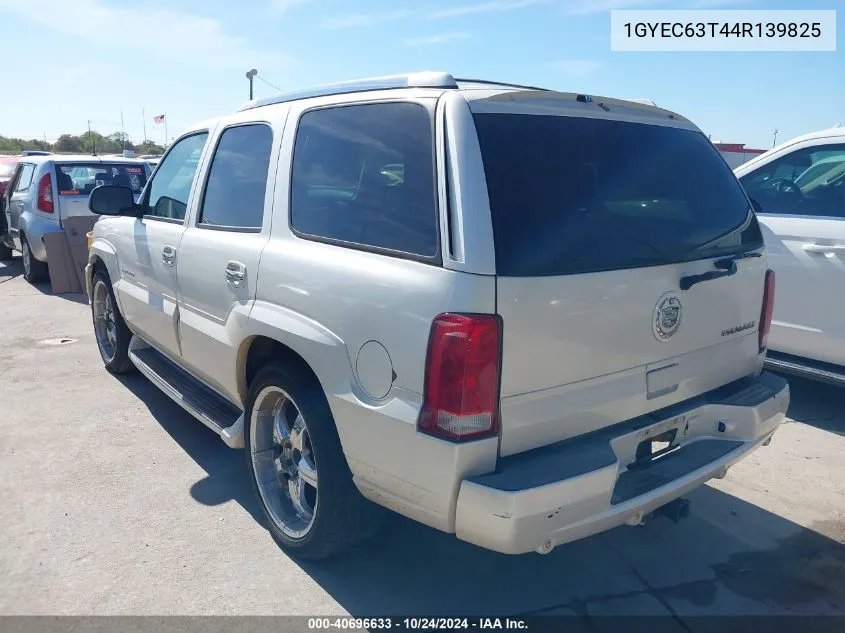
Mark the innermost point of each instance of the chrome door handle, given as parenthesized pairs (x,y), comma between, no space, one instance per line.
(235,274)
(825,249)
(168,255)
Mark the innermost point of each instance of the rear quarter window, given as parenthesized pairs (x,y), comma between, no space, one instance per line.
(575,195)
(363,175)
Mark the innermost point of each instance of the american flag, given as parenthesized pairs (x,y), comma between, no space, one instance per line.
(158,120)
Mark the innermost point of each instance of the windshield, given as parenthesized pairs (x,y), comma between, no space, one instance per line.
(80,179)
(575,195)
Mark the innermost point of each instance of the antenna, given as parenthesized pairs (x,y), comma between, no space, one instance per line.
(93,140)
(122,128)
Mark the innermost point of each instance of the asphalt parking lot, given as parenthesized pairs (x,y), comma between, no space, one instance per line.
(115,501)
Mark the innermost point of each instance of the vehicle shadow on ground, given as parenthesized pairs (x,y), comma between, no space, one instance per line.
(13,269)
(728,557)
(817,404)
(227,475)
(10,269)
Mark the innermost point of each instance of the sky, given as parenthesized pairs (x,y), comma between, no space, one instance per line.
(70,62)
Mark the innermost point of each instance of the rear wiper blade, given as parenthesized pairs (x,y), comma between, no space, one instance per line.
(725,267)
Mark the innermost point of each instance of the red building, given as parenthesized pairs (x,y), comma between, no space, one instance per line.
(737,153)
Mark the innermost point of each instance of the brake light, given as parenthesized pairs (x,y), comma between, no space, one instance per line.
(768,308)
(45,194)
(463,369)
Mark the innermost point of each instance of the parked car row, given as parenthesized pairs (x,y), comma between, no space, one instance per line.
(44,190)
(517,315)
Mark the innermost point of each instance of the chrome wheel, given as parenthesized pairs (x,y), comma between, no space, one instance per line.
(105,323)
(27,262)
(283,462)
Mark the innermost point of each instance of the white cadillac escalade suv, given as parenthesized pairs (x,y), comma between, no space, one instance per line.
(518,315)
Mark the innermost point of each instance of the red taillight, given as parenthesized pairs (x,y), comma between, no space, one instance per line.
(462,377)
(768,308)
(45,194)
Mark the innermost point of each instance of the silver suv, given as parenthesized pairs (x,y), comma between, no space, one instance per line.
(517,315)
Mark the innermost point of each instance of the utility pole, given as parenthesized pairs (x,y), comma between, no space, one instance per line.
(775,139)
(251,75)
(122,129)
(144,117)
(93,142)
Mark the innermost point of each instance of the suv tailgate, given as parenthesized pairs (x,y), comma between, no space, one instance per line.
(596,221)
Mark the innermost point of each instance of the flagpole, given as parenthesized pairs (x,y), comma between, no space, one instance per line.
(165,131)
(122,129)
(144,117)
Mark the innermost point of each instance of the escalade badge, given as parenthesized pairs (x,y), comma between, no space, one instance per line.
(667,317)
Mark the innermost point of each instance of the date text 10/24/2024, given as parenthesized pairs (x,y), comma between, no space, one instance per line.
(417,624)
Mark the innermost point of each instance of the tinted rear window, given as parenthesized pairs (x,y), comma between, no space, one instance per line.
(79,179)
(575,195)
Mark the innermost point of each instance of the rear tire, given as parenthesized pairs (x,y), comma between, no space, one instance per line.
(292,447)
(110,330)
(34,270)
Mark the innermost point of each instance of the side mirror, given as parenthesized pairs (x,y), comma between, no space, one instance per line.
(112,200)
(758,208)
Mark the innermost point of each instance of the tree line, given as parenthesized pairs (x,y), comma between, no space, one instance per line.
(86,143)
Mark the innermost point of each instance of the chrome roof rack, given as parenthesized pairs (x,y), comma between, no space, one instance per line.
(495,84)
(428,79)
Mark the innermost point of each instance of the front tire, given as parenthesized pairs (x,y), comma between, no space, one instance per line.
(110,330)
(297,467)
(34,270)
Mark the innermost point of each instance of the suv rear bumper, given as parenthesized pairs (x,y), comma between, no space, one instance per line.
(563,492)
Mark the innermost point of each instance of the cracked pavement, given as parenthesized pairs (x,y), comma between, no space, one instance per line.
(115,501)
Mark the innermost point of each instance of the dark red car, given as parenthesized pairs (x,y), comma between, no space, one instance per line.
(7,168)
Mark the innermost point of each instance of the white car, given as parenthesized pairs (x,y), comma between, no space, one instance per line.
(517,315)
(800,188)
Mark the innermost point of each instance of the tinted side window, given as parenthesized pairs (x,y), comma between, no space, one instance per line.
(171,185)
(809,181)
(237,180)
(364,174)
(25,178)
